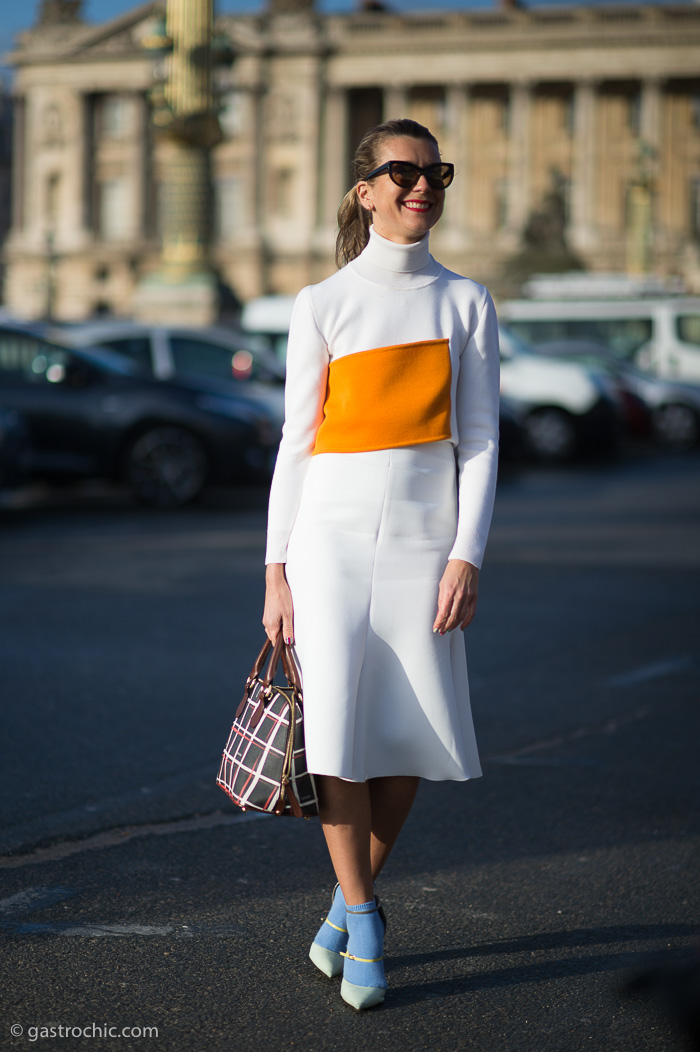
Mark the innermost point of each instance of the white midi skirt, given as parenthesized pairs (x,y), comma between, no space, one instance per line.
(382,694)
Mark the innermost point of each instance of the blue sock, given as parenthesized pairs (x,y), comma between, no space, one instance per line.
(365,945)
(333,933)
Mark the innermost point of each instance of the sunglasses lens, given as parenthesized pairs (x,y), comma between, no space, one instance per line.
(439,175)
(404,174)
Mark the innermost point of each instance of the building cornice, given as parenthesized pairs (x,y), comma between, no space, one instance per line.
(37,46)
(488,37)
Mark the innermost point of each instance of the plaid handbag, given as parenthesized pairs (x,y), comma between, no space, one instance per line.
(264,763)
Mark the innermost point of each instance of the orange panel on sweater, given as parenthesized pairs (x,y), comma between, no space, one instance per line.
(387,397)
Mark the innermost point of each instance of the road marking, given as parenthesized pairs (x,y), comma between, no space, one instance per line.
(36,898)
(20,836)
(91,930)
(545,761)
(220,540)
(648,672)
(609,727)
(113,837)
(41,897)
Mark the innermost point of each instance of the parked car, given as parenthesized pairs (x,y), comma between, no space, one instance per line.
(170,352)
(564,408)
(660,335)
(672,409)
(95,414)
(13,445)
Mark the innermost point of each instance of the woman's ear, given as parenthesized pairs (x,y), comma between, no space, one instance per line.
(364,195)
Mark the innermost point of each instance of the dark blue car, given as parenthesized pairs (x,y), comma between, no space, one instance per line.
(91,413)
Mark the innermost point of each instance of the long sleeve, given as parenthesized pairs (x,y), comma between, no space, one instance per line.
(305,391)
(477,406)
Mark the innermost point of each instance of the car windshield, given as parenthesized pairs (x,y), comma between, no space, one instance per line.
(107,360)
(622,336)
(688,328)
(195,356)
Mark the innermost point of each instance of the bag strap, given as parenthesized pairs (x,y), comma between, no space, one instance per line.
(254,675)
(289,665)
(271,669)
(260,661)
(291,668)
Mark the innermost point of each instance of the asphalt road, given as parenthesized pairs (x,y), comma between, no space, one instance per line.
(132,894)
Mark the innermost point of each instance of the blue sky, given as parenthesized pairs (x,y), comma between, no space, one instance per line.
(14,17)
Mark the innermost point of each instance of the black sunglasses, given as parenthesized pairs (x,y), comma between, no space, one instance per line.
(406,175)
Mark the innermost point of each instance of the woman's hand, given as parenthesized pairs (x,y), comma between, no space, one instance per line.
(457,595)
(279,611)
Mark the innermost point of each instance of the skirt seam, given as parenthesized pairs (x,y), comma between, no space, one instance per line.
(368,622)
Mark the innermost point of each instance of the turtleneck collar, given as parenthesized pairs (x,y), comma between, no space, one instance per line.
(401,266)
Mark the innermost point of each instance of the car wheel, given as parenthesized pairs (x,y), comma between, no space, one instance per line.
(550,435)
(676,427)
(166,466)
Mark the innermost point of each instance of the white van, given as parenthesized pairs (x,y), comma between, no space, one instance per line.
(660,335)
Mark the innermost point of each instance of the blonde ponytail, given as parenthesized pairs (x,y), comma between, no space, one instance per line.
(353,228)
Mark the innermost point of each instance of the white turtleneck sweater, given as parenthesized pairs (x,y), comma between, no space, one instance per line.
(390,295)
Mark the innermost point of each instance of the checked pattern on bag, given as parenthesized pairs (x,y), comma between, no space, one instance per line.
(262,768)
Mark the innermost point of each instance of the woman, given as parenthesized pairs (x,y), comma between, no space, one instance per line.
(374,540)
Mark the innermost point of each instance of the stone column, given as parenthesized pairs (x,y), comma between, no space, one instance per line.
(519,156)
(456,149)
(335,167)
(141,166)
(19,160)
(650,116)
(395,101)
(583,176)
(71,229)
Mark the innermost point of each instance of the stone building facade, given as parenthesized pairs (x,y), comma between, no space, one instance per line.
(572,105)
(5,166)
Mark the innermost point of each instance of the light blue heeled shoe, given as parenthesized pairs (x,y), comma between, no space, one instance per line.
(332,937)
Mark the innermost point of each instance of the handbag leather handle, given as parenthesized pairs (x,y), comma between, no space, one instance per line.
(289,666)
(260,661)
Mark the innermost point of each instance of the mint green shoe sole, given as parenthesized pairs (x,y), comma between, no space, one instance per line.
(328,962)
(361,996)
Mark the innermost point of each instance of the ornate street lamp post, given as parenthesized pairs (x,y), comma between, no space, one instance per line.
(185,287)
